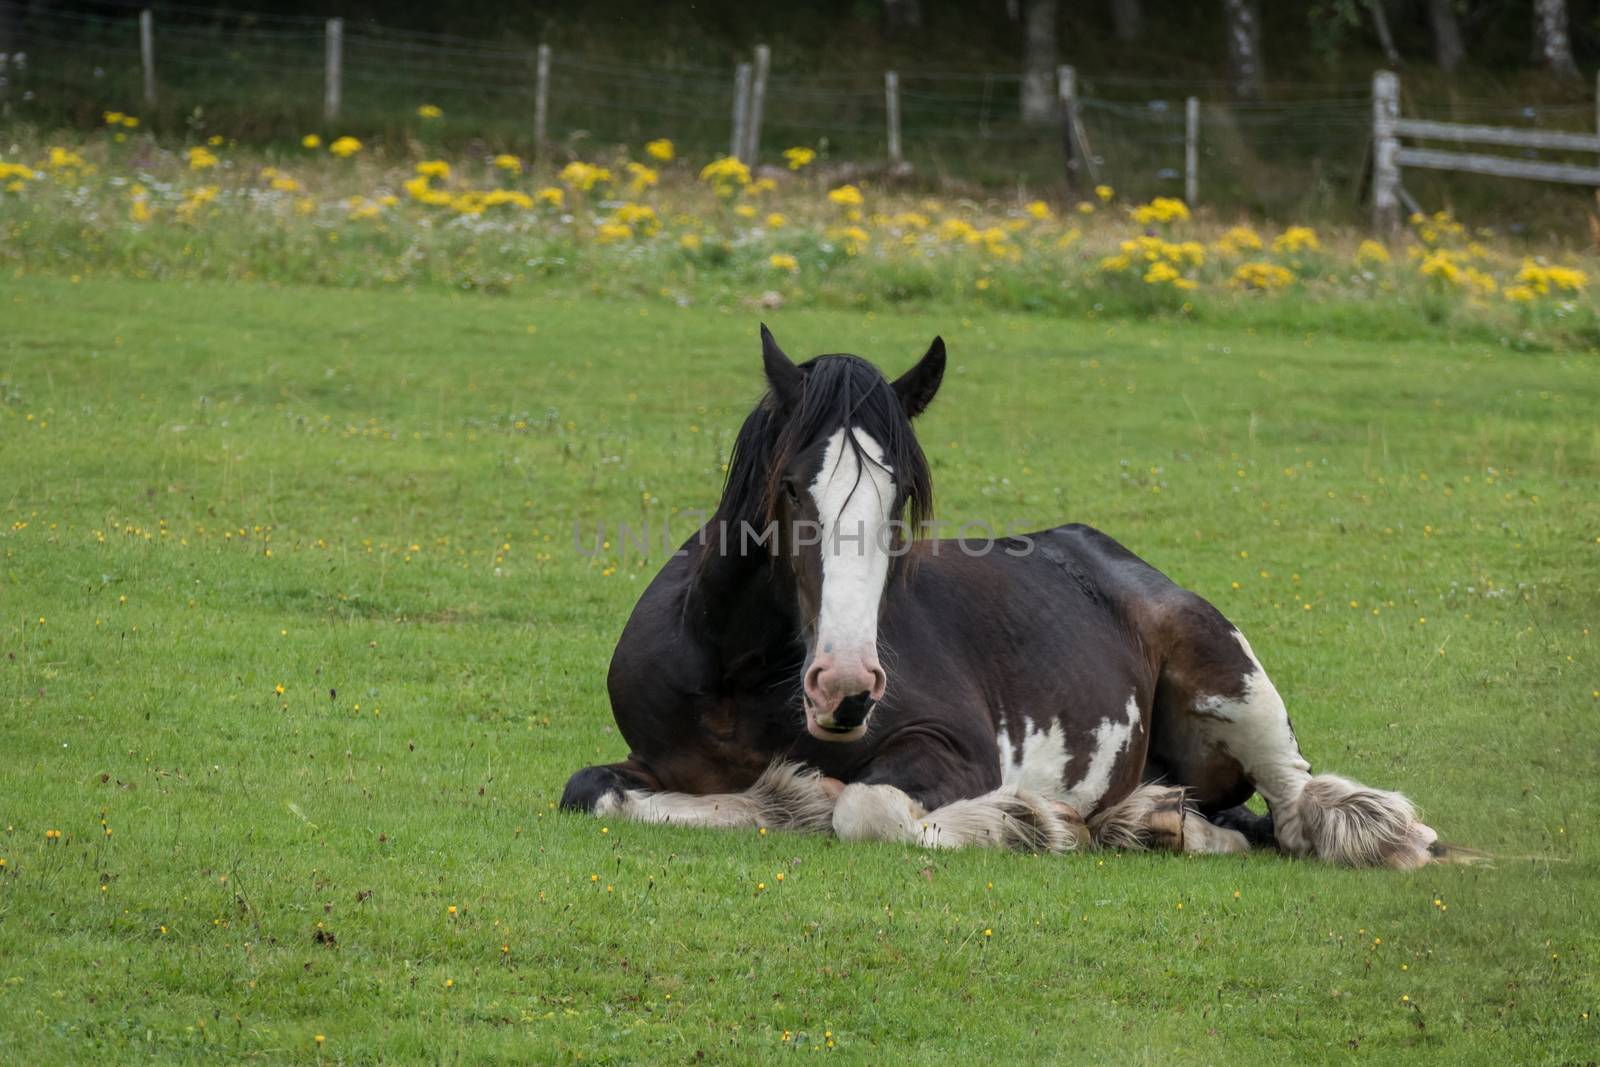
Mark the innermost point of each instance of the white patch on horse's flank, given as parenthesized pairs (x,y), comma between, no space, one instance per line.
(1111,740)
(1254,729)
(853,507)
(1043,763)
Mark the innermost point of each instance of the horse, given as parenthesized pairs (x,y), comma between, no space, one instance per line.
(806,662)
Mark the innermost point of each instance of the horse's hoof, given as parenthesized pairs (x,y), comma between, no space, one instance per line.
(590,787)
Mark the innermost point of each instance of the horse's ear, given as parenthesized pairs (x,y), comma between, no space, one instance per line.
(786,379)
(916,387)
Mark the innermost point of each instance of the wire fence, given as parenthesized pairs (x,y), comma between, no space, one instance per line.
(260,77)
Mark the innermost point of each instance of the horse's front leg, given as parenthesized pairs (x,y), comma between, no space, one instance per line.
(787,796)
(884,806)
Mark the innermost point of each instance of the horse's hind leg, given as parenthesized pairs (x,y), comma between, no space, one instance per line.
(1217,709)
(1160,818)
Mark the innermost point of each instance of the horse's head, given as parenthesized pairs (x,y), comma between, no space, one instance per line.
(846,487)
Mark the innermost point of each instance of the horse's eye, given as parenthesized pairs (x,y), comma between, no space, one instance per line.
(791,492)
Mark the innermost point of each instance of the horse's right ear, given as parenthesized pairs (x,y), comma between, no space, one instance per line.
(786,379)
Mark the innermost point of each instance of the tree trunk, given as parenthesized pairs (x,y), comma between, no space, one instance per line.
(1039,77)
(902,15)
(1555,44)
(1127,20)
(1448,48)
(1380,24)
(1244,48)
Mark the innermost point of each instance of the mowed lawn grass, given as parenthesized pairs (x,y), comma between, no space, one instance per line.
(297,652)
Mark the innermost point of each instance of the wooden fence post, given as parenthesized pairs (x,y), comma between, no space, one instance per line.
(1074,143)
(891,103)
(758,99)
(333,70)
(147,54)
(741,109)
(541,99)
(1385,152)
(1191,151)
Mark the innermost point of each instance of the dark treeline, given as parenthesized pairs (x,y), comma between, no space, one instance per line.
(1247,43)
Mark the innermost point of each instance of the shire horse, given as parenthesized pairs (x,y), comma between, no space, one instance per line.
(803,663)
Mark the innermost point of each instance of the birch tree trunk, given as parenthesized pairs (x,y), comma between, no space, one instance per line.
(1380,24)
(1555,44)
(1244,48)
(1039,75)
(1448,50)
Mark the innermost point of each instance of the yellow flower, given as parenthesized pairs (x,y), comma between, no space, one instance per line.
(583,176)
(1084,208)
(112,118)
(846,196)
(1105,193)
(659,149)
(551,195)
(1038,209)
(640,178)
(201,158)
(140,210)
(1161,210)
(1239,239)
(612,231)
(1265,276)
(745,211)
(311,140)
(434,168)
(15,170)
(1545,280)
(65,159)
(777,221)
(1297,239)
(1161,271)
(799,157)
(690,241)
(345,147)
(638,218)
(1371,253)
(725,175)
(430,112)
(509,163)
(215,140)
(285,184)
(496,197)
(781,261)
(130,122)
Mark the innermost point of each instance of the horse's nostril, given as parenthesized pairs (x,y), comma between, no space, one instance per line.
(813,683)
(852,712)
(880,682)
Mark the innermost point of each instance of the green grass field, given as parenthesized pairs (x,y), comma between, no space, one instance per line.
(367,499)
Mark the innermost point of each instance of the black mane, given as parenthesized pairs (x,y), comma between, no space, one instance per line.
(840,390)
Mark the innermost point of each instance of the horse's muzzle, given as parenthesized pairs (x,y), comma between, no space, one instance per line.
(846,722)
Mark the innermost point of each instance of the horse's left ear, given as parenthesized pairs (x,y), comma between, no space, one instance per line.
(916,387)
(787,380)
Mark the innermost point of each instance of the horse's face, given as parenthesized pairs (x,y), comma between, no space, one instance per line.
(846,466)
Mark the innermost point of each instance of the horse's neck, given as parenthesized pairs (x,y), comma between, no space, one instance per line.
(744,607)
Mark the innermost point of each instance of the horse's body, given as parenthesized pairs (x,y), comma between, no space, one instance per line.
(1041,691)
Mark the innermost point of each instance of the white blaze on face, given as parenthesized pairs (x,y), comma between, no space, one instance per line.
(853,501)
